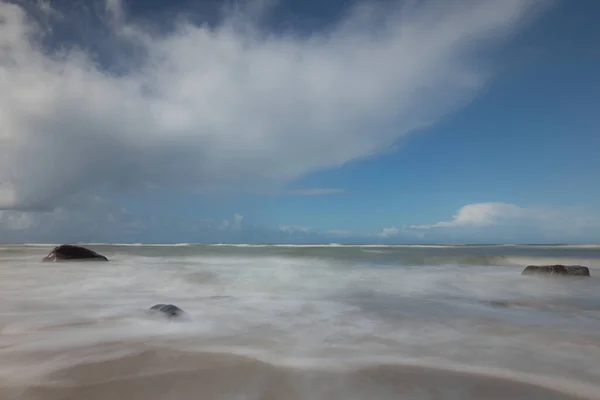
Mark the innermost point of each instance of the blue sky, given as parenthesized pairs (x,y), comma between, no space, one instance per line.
(394,122)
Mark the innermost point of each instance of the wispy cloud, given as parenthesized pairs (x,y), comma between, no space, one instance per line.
(290,229)
(342,232)
(316,191)
(403,232)
(235,224)
(387,232)
(228,106)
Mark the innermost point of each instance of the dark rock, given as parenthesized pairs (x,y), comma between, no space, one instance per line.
(561,270)
(70,252)
(168,310)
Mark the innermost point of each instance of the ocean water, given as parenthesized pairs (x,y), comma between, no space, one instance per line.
(299,322)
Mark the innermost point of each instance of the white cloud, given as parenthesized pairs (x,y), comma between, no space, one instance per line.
(224,225)
(230,107)
(290,229)
(114,8)
(543,221)
(387,232)
(483,214)
(393,232)
(235,223)
(46,9)
(238,221)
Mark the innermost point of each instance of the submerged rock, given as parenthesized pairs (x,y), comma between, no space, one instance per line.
(70,252)
(168,310)
(562,270)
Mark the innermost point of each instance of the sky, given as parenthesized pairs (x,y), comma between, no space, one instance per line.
(274,121)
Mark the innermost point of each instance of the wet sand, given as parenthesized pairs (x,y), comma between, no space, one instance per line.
(164,374)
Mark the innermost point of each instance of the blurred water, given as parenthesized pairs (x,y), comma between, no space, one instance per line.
(460,307)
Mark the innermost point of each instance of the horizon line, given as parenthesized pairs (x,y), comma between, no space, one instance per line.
(332,244)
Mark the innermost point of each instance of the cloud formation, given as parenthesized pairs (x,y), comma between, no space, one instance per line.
(503,220)
(387,232)
(290,229)
(484,214)
(480,215)
(229,106)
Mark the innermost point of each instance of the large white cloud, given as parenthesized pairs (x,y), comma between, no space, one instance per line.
(231,106)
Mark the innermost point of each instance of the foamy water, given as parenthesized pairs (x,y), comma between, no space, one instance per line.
(299,322)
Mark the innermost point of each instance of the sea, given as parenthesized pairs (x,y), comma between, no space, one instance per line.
(299,323)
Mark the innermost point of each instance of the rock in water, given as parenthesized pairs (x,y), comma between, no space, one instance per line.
(169,310)
(562,270)
(69,252)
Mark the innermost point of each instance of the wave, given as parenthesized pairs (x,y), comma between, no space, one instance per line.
(152,373)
